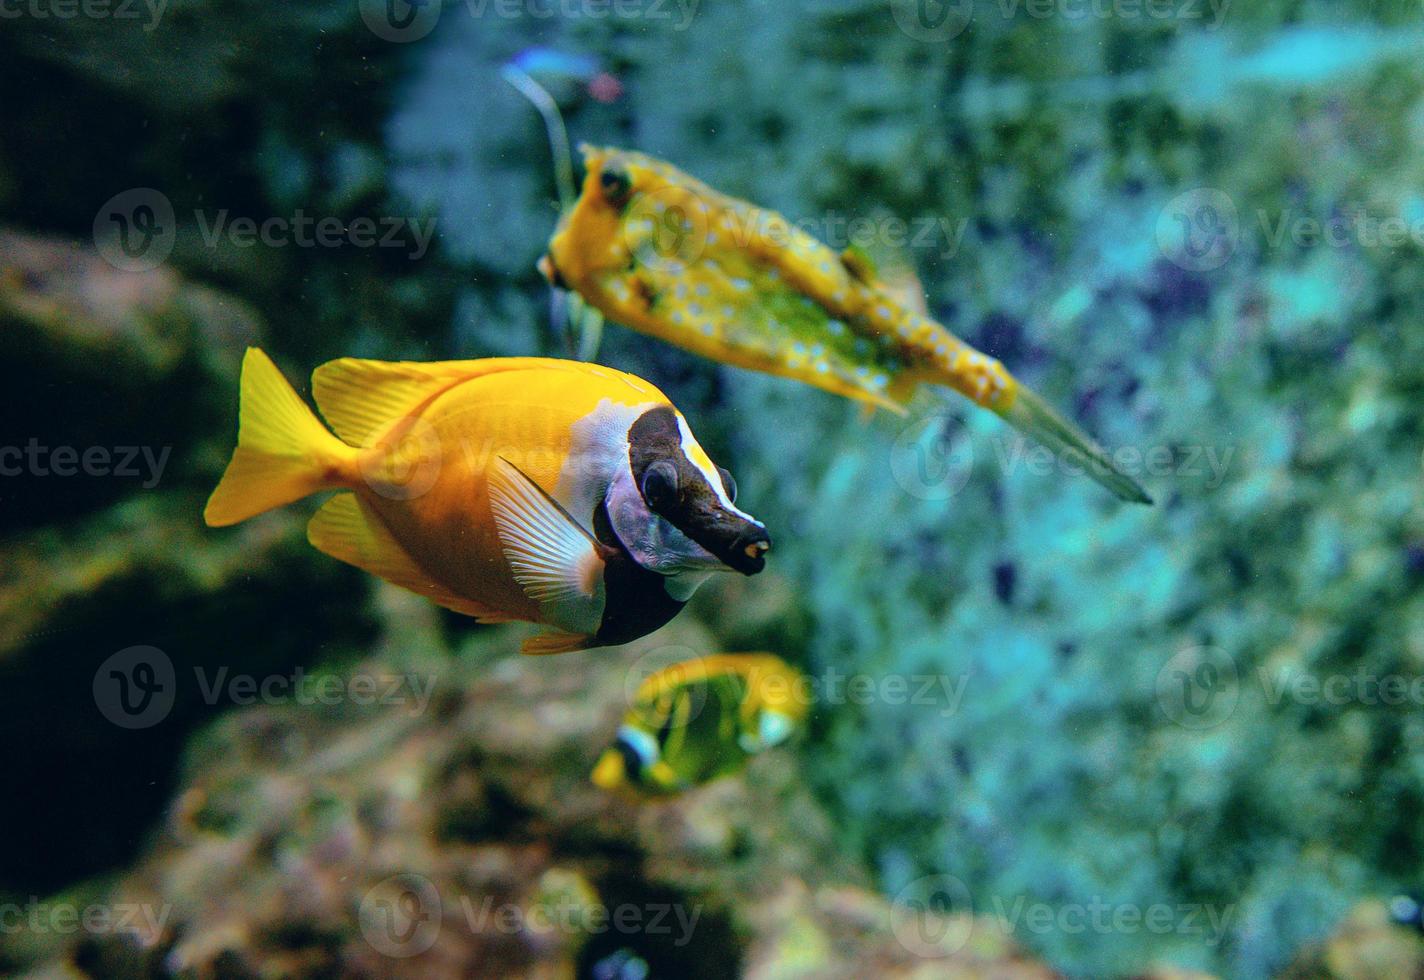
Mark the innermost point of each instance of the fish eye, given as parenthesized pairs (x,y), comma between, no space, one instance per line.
(615,184)
(660,485)
(729,484)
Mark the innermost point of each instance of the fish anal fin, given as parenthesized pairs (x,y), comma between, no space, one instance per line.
(553,558)
(555,641)
(347,530)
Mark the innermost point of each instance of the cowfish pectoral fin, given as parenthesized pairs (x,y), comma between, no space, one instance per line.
(1033,417)
(283,452)
(553,558)
(347,530)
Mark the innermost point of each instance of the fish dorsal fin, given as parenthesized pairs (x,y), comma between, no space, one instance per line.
(553,558)
(348,531)
(361,398)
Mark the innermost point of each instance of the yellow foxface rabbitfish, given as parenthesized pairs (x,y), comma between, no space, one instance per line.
(663,253)
(701,719)
(554,492)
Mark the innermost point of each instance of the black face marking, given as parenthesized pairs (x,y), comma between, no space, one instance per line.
(680,493)
(632,761)
(636,600)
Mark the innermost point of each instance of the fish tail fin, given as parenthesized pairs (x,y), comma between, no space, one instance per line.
(283,452)
(1032,416)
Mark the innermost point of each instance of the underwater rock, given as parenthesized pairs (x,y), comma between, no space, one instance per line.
(1367,945)
(121,379)
(461,836)
(124,374)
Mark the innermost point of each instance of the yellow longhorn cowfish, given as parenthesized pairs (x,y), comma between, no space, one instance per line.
(702,719)
(657,250)
(519,488)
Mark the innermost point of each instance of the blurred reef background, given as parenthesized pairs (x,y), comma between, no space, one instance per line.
(1053,158)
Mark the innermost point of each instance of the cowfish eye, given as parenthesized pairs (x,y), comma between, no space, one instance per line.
(729,484)
(660,485)
(615,183)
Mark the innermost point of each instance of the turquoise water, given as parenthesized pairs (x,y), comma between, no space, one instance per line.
(1187,734)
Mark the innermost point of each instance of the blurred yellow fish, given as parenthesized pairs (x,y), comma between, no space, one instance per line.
(702,719)
(663,253)
(513,488)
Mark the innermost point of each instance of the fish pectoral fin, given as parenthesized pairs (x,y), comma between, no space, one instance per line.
(555,641)
(553,558)
(348,531)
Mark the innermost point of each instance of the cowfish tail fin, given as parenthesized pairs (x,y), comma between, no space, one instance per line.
(1033,417)
(283,452)
(555,641)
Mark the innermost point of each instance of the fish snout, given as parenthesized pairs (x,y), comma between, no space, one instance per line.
(748,552)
